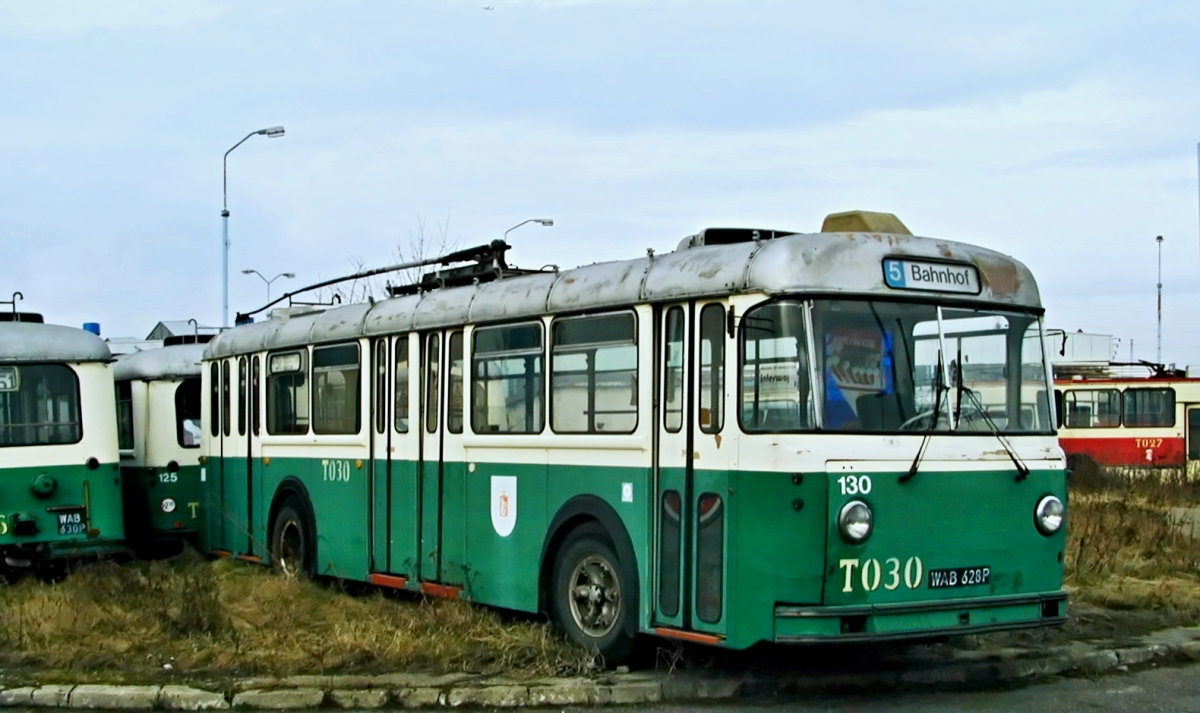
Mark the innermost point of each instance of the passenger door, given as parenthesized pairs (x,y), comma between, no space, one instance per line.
(693,470)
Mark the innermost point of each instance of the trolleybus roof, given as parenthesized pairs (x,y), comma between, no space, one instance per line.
(33,342)
(170,362)
(828,263)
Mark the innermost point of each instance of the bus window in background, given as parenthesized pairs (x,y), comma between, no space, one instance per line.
(1092,408)
(187,413)
(1149,408)
(125,415)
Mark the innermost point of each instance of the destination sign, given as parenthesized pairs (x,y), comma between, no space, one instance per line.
(930,276)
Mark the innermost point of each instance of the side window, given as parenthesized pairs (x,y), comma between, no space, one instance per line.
(39,405)
(402,384)
(226,398)
(454,409)
(187,413)
(1148,408)
(1091,408)
(256,395)
(593,379)
(242,390)
(380,406)
(506,381)
(673,371)
(712,368)
(287,393)
(774,386)
(433,365)
(125,415)
(214,399)
(337,401)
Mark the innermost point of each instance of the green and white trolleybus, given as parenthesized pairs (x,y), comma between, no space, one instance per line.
(158,414)
(761,436)
(60,483)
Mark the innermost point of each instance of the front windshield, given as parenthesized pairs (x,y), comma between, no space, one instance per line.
(902,367)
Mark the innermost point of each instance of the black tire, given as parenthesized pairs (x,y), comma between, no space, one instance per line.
(591,597)
(292,543)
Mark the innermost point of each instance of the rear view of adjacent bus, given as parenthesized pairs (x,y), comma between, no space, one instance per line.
(158,413)
(904,398)
(60,487)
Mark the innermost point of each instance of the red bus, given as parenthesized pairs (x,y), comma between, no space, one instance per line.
(1130,422)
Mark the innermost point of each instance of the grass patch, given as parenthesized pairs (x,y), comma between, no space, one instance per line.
(194,618)
(1126,548)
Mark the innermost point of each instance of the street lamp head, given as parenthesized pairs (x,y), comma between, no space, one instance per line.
(546,222)
(273,132)
(247,272)
(289,274)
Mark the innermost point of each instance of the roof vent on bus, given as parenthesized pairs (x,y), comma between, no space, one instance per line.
(863,221)
(728,236)
(30,317)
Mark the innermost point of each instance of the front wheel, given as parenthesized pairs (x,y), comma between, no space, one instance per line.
(591,596)
(291,540)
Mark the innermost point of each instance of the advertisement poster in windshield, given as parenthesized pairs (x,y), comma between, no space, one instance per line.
(858,361)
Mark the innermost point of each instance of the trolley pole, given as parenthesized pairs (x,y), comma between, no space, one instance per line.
(1159,241)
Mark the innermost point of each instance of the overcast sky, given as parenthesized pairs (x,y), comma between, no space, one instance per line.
(1061,133)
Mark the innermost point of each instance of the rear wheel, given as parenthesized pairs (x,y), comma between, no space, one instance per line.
(291,540)
(591,597)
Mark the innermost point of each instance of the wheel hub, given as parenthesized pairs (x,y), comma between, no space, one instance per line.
(595,596)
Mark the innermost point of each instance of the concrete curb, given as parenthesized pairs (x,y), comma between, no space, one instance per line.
(959,669)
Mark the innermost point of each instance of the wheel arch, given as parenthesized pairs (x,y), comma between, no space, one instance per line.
(291,486)
(577,511)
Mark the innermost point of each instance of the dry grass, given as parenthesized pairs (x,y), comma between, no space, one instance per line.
(195,618)
(1125,549)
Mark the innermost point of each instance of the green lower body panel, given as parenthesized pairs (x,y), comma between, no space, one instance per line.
(52,512)
(802,625)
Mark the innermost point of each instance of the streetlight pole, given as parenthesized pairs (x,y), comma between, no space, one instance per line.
(544,221)
(273,132)
(288,275)
(1159,241)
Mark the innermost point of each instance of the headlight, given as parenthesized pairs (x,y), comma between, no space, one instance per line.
(1048,515)
(168,505)
(854,522)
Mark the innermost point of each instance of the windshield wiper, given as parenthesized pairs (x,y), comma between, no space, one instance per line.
(1022,469)
(937,414)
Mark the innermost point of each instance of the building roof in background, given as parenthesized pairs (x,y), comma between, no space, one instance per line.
(179,327)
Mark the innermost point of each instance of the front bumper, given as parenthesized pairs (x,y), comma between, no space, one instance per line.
(946,617)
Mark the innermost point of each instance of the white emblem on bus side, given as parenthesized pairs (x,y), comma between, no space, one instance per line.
(504,504)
